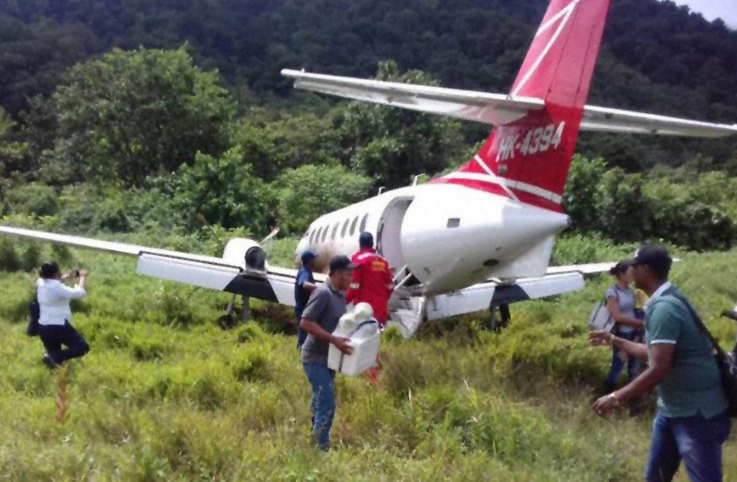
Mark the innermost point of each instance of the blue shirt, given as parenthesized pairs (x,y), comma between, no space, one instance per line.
(301,295)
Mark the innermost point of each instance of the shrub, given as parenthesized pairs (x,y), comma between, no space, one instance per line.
(34,199)
(251,363)
(88,208)
(306,193)
(9,260)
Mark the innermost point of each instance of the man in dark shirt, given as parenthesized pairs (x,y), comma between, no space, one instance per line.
(303,287)
(319,319)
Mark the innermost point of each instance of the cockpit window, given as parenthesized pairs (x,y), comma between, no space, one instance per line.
(353,225)
(363,224)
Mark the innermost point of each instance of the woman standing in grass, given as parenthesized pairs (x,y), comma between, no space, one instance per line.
(621,302)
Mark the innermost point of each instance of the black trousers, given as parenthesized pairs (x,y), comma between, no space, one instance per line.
(54,336)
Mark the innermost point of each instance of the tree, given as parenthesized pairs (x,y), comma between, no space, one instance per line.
(581,192)
(308,192)
(223,190)
(12,151)
(133,114)
(621,206)
(393,145)
(289,142)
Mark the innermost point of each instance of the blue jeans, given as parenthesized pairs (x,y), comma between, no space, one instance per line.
(633,364)
(322,405)
(695,440)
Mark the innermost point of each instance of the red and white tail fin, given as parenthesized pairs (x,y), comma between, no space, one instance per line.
(528,159)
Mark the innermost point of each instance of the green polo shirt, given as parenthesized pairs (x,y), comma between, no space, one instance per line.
(694,384)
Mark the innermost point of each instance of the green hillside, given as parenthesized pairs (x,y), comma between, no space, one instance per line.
(166,395)
(656,57)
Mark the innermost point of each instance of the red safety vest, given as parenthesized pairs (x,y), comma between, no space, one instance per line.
(372,283)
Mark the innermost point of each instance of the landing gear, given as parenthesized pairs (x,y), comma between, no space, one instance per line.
(500,316)
(228,321)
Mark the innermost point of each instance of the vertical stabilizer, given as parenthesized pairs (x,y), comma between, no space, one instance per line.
(528,159)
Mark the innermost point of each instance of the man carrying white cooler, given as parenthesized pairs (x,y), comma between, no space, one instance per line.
(319,320)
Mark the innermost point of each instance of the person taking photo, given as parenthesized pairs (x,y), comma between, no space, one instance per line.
(55,321)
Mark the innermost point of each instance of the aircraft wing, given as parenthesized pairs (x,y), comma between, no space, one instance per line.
(557,280)
(584,269)
(274,284)
(497,109)
(483,295)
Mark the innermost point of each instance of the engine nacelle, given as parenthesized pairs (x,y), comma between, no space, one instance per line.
(247,254)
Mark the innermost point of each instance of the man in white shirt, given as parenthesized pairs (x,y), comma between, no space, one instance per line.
(54,325)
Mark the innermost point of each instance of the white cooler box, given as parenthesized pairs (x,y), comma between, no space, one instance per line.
(365,340)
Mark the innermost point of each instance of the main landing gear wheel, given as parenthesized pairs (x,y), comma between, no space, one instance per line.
(229,320)
(500,316)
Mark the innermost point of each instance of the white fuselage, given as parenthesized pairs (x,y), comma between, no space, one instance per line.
(447,236)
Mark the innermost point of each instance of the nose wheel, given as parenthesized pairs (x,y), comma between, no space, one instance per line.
(499,318)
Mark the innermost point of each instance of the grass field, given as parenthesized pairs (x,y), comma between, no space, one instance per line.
(166,395)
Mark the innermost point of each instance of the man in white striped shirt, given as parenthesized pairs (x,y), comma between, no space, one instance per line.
(55,322)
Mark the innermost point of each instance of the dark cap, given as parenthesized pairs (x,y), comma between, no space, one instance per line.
(308,256)
(655,258)
(340,263)
(366,240)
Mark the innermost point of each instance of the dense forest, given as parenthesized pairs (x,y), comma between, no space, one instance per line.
(145,108)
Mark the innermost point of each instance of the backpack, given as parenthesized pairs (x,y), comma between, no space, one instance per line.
(34,314)
(600,318)
(727,362)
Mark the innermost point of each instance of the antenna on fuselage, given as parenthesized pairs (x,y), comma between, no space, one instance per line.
(417,178)
(381,189)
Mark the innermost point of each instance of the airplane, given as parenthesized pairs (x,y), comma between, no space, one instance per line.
(478,238)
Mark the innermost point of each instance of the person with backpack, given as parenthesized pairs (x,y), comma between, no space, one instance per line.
(621,302)
(693,419)
(55,315)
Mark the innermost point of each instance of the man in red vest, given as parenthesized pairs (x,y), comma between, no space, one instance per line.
(372,279)
(372,283)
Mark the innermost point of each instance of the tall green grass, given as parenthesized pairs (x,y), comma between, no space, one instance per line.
(166,395)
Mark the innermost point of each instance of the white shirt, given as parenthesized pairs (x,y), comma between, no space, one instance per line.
(53,300)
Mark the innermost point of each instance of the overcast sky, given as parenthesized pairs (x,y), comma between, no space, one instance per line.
(713,9)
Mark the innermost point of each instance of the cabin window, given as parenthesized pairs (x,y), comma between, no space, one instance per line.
(335,230)
(325,233)
(363,224)
(454,222)
(345,228)
(353,225)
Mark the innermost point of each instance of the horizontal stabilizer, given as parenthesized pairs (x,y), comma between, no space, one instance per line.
(602,119)
(497,109)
